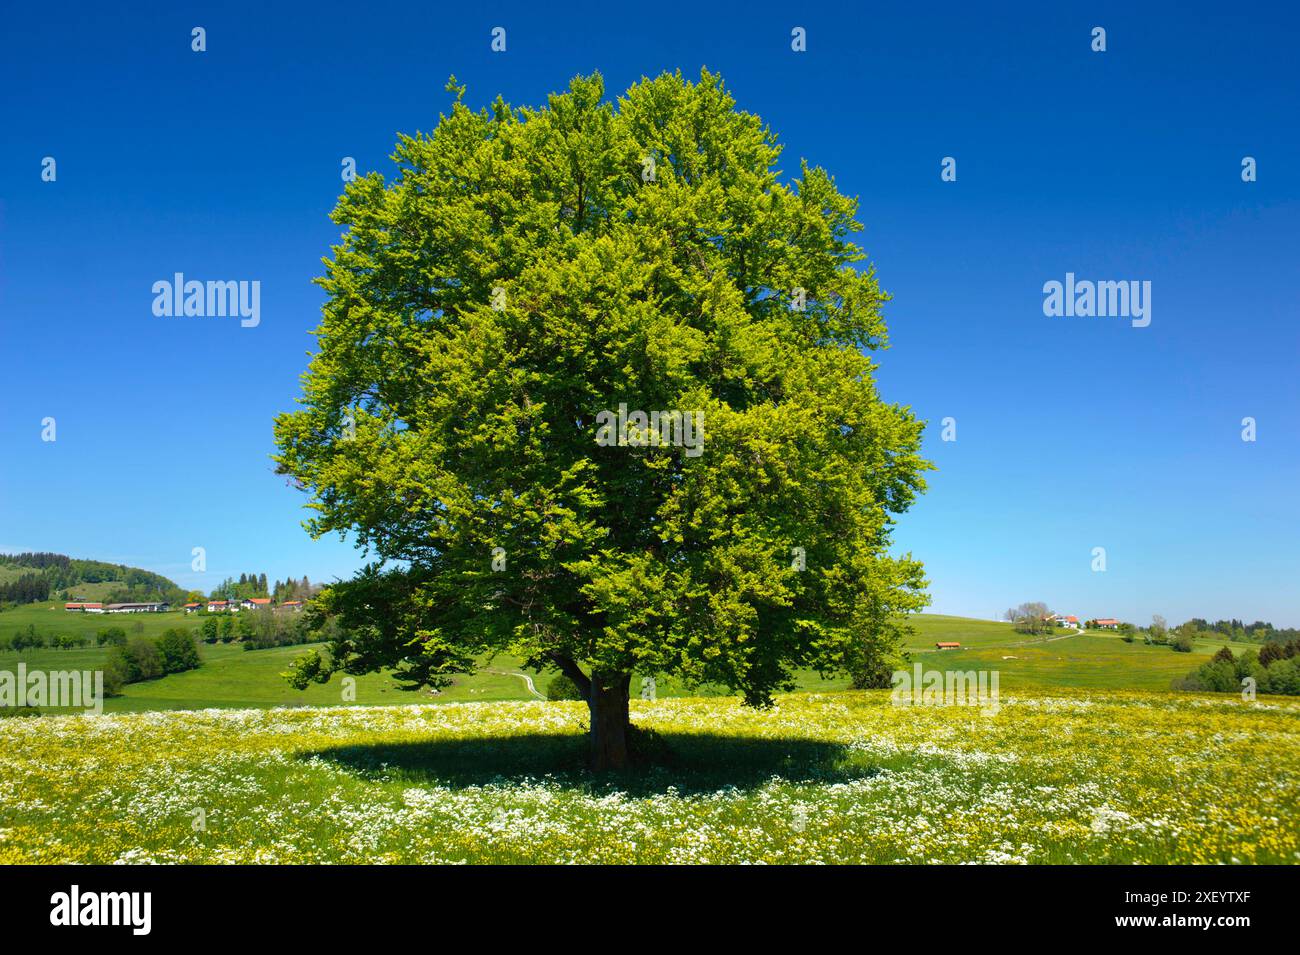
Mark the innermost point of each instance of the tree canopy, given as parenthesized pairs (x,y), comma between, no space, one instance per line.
(525,274)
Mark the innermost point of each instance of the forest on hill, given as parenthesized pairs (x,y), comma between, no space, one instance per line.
(37,576)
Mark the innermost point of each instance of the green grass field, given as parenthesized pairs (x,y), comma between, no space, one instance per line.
(1080,762)
(52,618)
(1059,776)
(234,678)
(1089,660)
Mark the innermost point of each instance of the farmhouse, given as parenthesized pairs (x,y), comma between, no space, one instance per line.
(138,608)
(216,606)
(84,607)
(947,645)
(191,608)
(1106,623)
(1064,620)
(292,605)
(255,603)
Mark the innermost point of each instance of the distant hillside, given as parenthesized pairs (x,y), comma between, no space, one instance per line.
(32,577)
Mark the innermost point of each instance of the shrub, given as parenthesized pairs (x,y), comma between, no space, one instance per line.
(1224,673)
(110,637)
(120,662)
(876,671)
(178,652)
(1218,676)
(210,630)
(113,679)
(562,688)
(1183,643)
(1282,676)
(28,639)
(145,659)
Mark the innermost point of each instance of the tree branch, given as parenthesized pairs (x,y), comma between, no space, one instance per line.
(571,669)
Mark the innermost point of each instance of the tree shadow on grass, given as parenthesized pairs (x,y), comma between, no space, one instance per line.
(688,763)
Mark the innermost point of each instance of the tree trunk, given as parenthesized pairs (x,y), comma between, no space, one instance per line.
(607,701)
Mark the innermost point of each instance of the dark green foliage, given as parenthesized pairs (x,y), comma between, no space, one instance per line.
(492,304)
(209,630)
(178,650)
(29,639)
(1275,668)
(29,588)
(61,572)
(110,636)
(143,658)
(562,688)
(268,628)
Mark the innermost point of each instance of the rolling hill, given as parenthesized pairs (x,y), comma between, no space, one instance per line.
(234,678)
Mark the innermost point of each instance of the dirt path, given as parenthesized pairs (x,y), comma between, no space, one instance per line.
(528,681)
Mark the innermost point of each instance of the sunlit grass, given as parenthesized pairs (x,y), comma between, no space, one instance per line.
(1067,777)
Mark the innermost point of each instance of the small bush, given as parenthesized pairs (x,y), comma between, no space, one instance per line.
(110,637)
(210,630)
(178,651)
(142,659)
(562,688)
(113,680)
(28,639)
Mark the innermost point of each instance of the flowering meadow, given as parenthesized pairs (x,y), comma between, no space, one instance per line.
(1073,776)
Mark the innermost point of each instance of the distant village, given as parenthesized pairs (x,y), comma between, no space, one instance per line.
(1069,621)
(211,606)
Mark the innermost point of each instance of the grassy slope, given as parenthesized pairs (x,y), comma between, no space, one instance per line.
(232,677)
(52,618)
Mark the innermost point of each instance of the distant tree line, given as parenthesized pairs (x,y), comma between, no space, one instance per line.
(1257,632)
(29,588)
(31,638)
(262,629)
(256,585)
(147,658)
(59,575)
(1274,668)
(129,659)
(1031,618)
(290,589)
(64,574)
(246,587)
(1184,636)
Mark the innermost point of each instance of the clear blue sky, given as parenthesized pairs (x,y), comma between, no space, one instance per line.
(1072,433)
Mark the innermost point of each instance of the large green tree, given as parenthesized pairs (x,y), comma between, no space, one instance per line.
(527,269)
